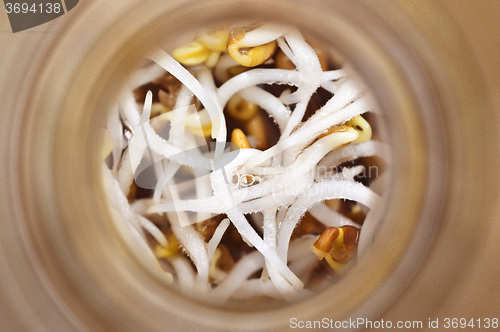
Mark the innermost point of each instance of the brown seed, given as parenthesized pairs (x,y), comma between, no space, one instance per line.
(343,251)
(323,244)
(207,227)
(282,61)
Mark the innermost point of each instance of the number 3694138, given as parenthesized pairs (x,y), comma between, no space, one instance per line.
(25,8)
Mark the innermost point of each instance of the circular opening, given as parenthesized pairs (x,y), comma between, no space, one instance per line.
(294,129)
(89,265)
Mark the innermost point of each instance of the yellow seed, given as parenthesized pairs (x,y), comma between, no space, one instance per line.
(197,123)
(215,41)
(248,56)
(239,138)
(191,54)
(212,59)
(336,266)
(339,136)
(362,127)
(204,131)
(338,244)
(172,248)
(337,129)
(240,109)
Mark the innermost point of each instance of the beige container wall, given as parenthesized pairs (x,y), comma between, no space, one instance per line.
(434,69)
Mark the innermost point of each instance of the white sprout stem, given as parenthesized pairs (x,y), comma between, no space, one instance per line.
(330,218)
(136,147)
(140,205)
(120,202)
(153,230)
(219,185)
(207,82)
(270,232)
(347,93)
(203,190)
(244,228)
(183,270)
(333,75)
(367,233)
(286,186)
(255,77)
(371,223)
(129,110)
(304,164)
(304,266)
(182,74)
(296,116)
(115,129)
(308,130)
(268,194)
(180,112)
(272,105)
(319,192)
(222,67)
(263,35)
(166,150)
(286,50)
(125,173)
(330,86)
(308,66)
(145,75)
(165,177)
(355,151)
(269,229)
(216,238)
(279,186)
(157,163)
(127,220)
(294,120)
(201,205)
(190,239)
(255,287)
(243,269)
(177,129)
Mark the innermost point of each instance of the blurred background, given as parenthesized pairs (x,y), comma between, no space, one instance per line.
(450,283)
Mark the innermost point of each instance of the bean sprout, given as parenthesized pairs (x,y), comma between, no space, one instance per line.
(299,175)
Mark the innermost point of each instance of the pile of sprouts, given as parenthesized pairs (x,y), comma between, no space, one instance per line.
(240,162)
